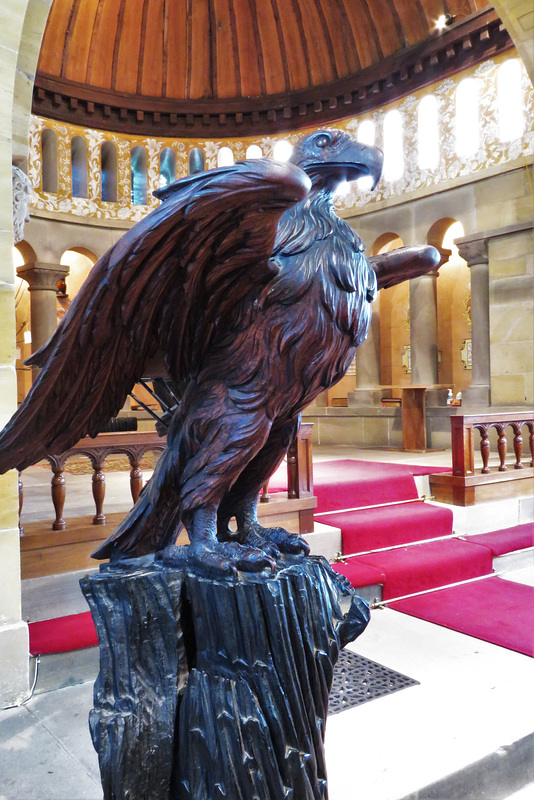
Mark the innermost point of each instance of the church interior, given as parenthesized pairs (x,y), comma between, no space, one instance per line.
(424,447)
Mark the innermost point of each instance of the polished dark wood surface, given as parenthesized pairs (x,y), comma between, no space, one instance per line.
(466,486)
(239,67)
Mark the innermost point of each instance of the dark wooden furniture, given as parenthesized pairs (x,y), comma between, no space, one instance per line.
(413,405)
(66,544)
(466,485)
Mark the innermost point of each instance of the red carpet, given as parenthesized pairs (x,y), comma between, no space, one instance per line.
(495,610)
(348,483)
(425,566)
(507,540)
(359,574)
(62,634)
(373,528)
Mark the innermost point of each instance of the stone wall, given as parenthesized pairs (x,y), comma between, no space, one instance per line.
(20,35)
(511,275)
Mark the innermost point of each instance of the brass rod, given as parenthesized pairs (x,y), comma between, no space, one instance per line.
(377,505)
(383,603)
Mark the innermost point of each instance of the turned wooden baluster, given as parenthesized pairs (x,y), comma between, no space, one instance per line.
(21,501)
(502,446)
(58,495)
(292,471)
(518,444)
(99,491)
(484,447)
(530,427)
(136,476)
(264,496)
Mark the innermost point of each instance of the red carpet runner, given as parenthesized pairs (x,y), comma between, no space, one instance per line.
(495,610)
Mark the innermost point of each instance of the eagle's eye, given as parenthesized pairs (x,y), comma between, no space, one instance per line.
(323,140)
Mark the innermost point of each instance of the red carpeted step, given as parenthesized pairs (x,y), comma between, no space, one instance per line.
(348,483)
(62,634)
(425,566)
(495,610)
(507,540)
(359,574)
(373,528)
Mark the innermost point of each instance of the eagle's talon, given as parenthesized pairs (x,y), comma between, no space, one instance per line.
(229,557)
(279,539)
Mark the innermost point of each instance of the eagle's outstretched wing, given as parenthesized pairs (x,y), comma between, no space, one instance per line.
(168,283)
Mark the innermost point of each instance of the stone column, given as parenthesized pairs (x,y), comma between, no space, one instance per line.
(474,249)
(424,330)
(42,280)
(367,359)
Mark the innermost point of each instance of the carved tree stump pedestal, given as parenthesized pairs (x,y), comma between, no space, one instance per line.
(216,687)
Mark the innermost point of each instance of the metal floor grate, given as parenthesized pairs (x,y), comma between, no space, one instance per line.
(357,680)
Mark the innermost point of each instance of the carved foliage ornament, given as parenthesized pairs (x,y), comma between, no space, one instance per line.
(22,197)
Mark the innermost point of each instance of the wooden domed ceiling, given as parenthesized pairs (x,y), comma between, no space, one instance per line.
(227,67)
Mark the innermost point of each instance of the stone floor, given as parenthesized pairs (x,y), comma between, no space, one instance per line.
(465,724)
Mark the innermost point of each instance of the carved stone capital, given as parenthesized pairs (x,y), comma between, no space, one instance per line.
(22,195)
(473,250)
(42,276)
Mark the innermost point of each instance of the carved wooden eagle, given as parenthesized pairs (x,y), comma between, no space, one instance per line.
(257,295)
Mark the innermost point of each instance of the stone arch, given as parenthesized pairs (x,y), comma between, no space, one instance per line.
(80,261)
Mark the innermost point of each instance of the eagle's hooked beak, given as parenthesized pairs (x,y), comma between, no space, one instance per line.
(331,157)
(361,160)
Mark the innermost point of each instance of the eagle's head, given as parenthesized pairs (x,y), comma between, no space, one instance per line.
(331,156)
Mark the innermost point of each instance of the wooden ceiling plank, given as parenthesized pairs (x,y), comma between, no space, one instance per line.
(315,44)
(127,63)
(463,8)
(235,47)
(413,19)
(273,47)
(165,54)
(365,34)
(388,25)
(116,47)
(177,49)
(79,40)
(351,47)
(54,38)
(433,10)
(294,46)
(334,33)
(252,76)
(152,74)
(142,45)
(226,82)
(302,35)
(100,60)
(200,72)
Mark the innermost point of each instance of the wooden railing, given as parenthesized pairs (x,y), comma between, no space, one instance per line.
(463,440)
(134,445)
(465,485)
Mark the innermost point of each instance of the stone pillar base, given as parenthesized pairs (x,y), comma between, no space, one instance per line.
(436,397)
(14,664)
(479,395)
(365,397)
